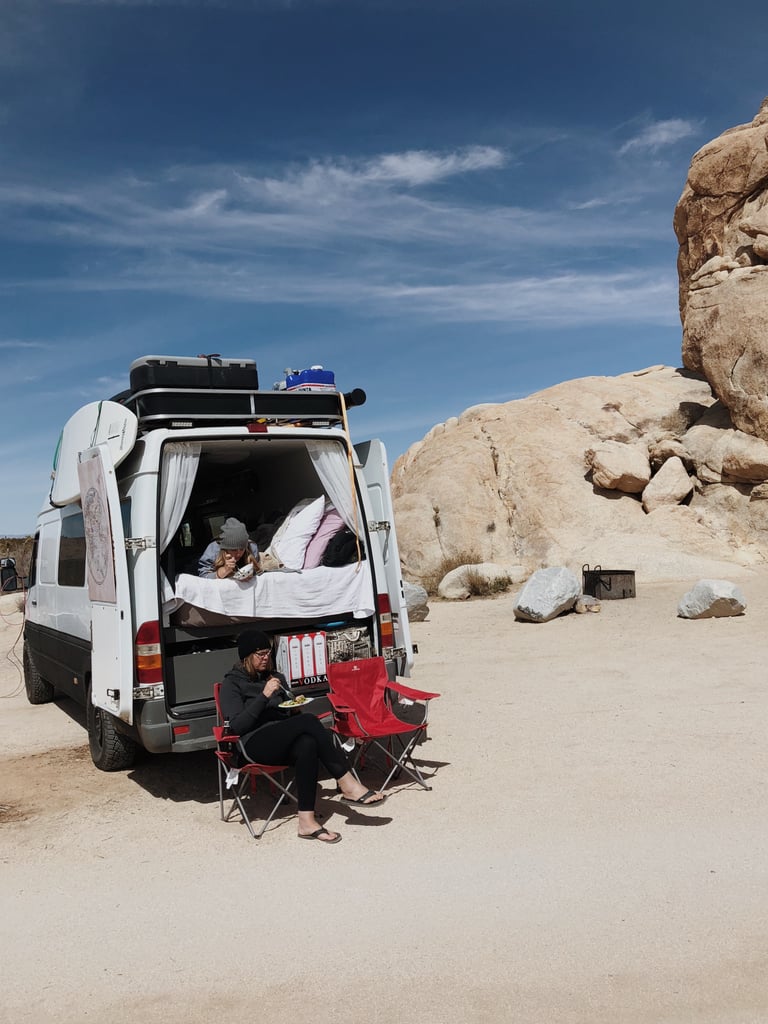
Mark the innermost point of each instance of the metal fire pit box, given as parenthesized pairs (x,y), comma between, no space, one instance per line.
(608,584)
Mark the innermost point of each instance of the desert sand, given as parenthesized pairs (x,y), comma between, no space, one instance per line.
(594,848)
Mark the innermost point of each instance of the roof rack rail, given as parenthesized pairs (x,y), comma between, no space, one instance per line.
(168,407)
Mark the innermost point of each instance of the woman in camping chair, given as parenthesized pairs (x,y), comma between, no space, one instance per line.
(250,694)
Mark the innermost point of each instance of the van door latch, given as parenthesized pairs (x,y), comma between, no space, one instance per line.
(383,525)
(140,543)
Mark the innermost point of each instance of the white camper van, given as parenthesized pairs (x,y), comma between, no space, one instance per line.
(117,616)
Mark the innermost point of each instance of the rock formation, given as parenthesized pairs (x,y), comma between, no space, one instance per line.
(528,497)
(721,222)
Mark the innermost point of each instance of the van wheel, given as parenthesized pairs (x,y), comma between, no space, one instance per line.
(39,691)
(111,751)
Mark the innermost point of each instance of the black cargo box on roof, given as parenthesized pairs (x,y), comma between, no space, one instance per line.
(190,372)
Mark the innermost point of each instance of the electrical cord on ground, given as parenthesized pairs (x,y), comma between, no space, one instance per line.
(11,655)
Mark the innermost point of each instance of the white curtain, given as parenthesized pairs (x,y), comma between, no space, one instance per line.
(180,462)
(332,466)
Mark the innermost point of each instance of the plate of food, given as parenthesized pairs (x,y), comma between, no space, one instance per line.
(296,702)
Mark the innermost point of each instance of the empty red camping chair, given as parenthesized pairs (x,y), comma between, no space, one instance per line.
(362,711)
(236,771)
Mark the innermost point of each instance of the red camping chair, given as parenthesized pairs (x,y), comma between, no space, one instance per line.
(361,700)
(236,770)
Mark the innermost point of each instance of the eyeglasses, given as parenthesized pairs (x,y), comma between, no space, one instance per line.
(261,654)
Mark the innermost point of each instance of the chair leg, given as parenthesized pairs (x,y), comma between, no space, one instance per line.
(405,762)
(221,788)
(285,793)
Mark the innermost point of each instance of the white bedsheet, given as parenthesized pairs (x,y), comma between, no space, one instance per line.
(310,592)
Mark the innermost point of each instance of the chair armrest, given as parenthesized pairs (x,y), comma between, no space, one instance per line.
(221,735)
(339,705)
(409,692)
(340,708)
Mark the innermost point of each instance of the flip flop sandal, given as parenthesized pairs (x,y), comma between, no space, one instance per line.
(319,832)
(364,801)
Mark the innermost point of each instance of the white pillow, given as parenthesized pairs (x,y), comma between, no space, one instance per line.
(298,531)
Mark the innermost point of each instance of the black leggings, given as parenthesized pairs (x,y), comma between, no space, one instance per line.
(301,741)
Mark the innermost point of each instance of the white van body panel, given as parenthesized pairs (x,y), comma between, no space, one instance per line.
(67,610)
(108,585)
(375,473)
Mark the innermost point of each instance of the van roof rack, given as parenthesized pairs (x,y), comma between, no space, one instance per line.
(189,407)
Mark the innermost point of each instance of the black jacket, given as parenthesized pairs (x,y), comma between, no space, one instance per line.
(243,703)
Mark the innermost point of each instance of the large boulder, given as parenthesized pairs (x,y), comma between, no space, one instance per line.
(721,222)
(525,498)
(712,599)
(669,487)
(617,466)
(547,594)
(416,601)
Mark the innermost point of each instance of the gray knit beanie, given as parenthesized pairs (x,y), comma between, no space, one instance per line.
(233,535)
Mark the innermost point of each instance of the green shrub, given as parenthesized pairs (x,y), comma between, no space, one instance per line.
(431,581)
(479,586)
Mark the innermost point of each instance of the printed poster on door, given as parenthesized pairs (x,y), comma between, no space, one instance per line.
(100,559)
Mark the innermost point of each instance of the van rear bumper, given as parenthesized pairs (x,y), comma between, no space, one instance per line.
(160,734)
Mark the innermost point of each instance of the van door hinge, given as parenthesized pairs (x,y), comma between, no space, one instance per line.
(140,543)
(383,525)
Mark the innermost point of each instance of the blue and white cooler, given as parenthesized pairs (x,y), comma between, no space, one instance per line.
(313,379)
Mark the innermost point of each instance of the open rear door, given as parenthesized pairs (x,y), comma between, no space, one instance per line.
(373,463)
(107,576)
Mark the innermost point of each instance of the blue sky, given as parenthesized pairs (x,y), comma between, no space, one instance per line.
(445,202)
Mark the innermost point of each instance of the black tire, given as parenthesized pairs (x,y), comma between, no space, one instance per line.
(39,691)
(111,751)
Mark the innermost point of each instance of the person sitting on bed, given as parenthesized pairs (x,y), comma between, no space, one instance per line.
(233,555)
(250,694)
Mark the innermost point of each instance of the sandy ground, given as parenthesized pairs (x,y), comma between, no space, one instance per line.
(594,849)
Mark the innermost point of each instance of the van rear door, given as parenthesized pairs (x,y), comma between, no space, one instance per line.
(375,470)
(108,590)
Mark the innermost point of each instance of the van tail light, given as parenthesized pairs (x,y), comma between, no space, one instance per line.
(385,621)
(149,666)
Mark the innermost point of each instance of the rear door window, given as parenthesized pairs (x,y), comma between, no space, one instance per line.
(71,569)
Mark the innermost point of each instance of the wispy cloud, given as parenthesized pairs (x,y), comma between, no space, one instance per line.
(17,345)
(326,180)
(659,134)
(222,210)
(558,300)
(396,234)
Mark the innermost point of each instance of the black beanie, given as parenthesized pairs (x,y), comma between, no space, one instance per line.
(252,640)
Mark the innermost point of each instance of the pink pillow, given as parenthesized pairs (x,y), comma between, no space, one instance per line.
(330,524)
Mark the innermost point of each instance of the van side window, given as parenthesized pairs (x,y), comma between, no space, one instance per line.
(72,552)
(33,562)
